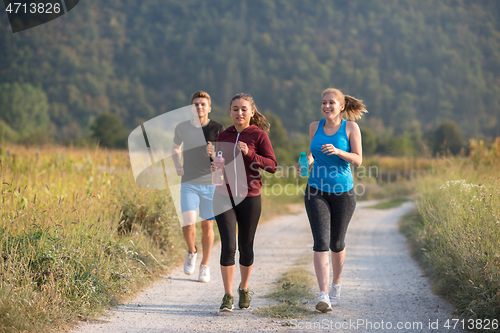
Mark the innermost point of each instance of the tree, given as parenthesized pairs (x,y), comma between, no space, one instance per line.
(7,133)
(108,129)
(369,140)
(416,136)
(447,137)
(24,111)
(402,145)
(423,62)
(279,139)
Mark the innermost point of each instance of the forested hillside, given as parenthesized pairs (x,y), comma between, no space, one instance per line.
(414,63)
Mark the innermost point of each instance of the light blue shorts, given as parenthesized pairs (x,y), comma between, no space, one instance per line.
(194,196)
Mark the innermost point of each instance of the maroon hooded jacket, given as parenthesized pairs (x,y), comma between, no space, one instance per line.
(244,179)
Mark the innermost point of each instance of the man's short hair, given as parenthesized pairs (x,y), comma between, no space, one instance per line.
(201,94)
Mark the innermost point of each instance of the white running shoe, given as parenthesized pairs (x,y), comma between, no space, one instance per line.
(204,273)
(335,293)
(190,263)
(323,304)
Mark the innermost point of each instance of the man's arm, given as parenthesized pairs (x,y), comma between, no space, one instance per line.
(176,157)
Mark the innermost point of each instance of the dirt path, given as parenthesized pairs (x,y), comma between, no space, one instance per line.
(382,286)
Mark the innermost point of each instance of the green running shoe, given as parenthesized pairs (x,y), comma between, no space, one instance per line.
(244,301)
(227,303)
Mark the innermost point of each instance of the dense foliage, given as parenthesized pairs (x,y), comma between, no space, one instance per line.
(414,63)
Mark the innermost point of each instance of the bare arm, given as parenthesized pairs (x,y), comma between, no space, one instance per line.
(176,158)
(355,157)
(211,150)
(312,130)
(356,154)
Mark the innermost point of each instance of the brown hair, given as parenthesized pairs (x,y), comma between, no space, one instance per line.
(201,94)
(353,108)
(258,118)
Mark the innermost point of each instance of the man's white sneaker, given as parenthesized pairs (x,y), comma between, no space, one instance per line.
(335,293)
(190,263)
(323,304)
(204,273)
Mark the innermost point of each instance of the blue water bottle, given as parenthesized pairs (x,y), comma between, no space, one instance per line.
(304,165)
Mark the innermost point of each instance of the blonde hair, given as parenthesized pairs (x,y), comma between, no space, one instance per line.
(258,118)
(201,94)
(353,108)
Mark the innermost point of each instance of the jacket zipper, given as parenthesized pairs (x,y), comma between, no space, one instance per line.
(234,159)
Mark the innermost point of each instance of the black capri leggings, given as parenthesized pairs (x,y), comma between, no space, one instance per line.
(329,215)
(246,214)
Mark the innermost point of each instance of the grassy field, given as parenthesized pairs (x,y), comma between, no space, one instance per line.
(456,233)
(77,235)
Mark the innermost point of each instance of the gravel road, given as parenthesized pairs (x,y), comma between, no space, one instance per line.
(383,288)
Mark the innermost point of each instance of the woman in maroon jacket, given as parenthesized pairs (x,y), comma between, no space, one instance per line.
(237,201)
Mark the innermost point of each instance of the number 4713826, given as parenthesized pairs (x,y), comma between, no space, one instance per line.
(485,324)
(33,8)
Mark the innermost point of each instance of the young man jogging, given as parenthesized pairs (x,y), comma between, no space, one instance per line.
(196,184)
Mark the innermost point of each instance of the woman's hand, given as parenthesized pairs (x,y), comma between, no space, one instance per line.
(214,167)
(310,160)
(243,147)
(329,149)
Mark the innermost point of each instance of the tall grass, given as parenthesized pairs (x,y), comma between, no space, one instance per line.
(458,231)
(76,235)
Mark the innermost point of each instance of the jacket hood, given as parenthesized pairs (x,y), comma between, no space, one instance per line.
(249,129)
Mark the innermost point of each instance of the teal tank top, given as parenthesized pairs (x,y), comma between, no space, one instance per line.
(330,173)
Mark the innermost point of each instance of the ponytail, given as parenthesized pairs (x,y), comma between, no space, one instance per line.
(353,108)
(258,118)
(260,121)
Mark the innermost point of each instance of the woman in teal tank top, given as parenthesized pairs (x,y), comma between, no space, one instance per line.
(330,199)
(330,173)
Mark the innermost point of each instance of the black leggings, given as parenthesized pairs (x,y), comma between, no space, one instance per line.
(246,214)
(329,215)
